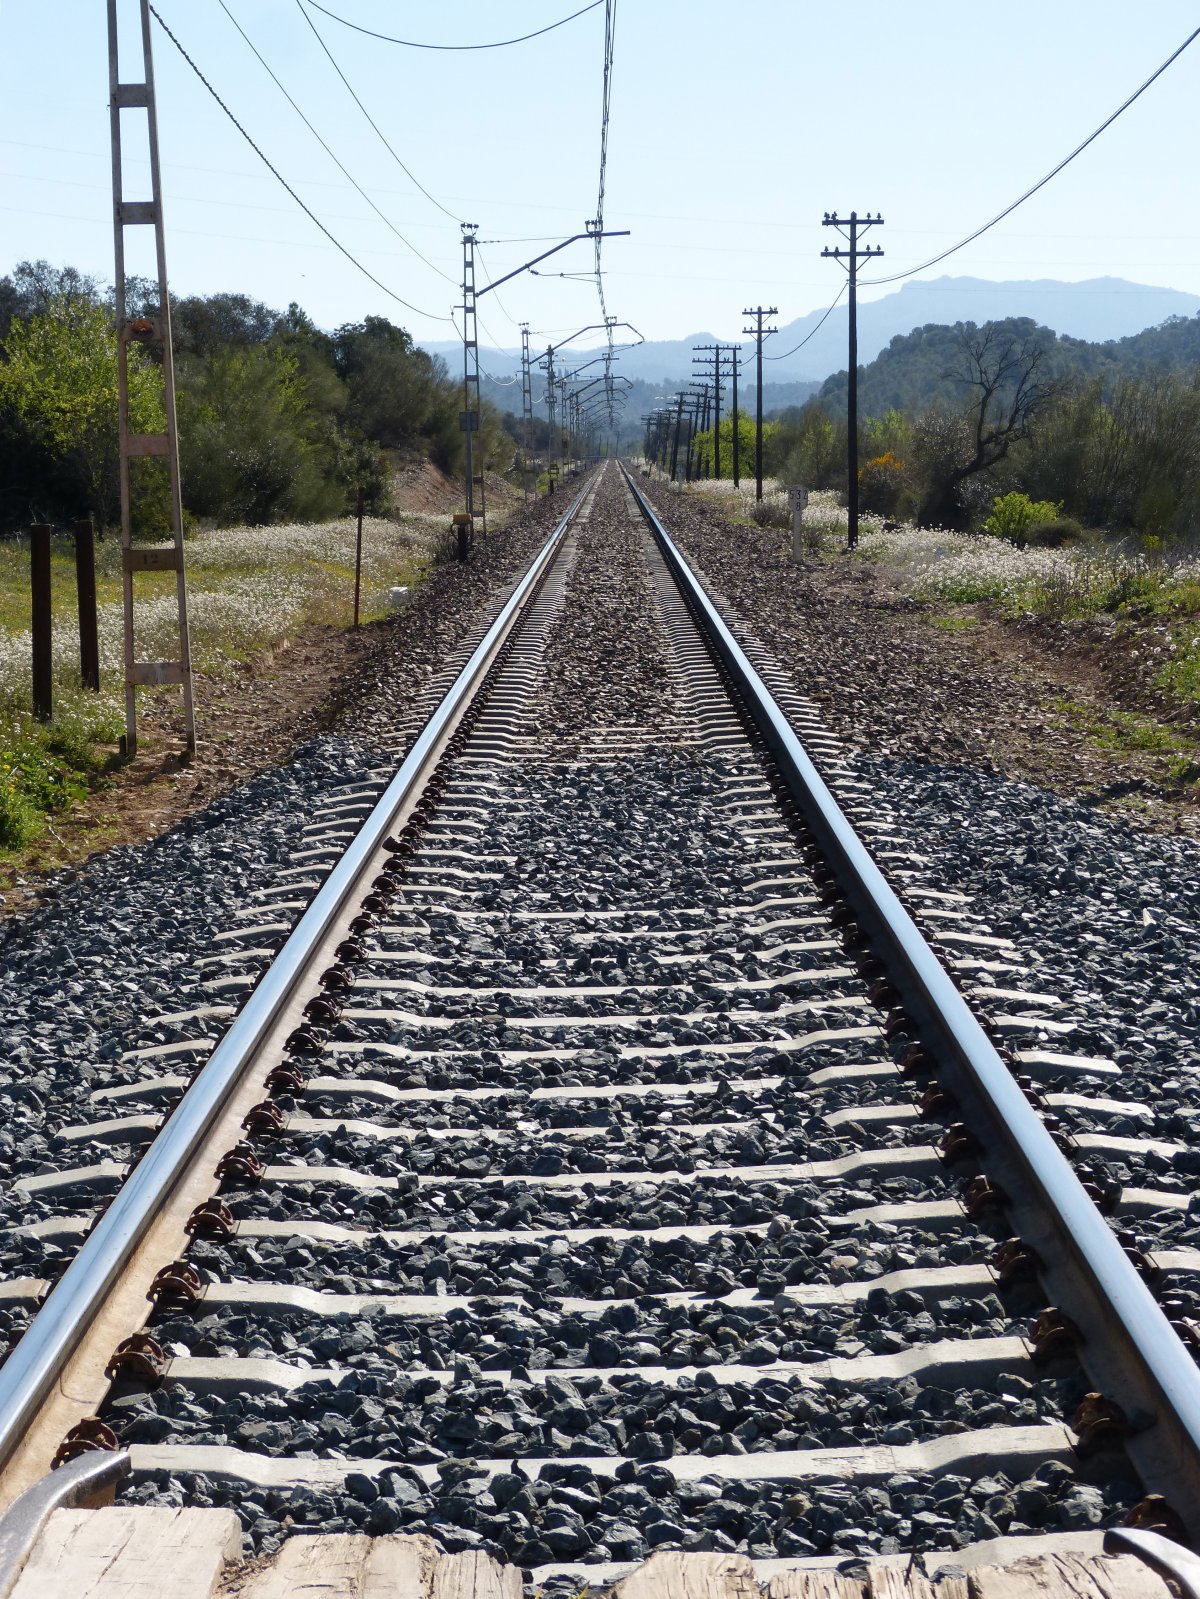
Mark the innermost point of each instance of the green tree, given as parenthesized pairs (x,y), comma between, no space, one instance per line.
(809,449)
(251,449)
(1127,459)
(1002,372)
(58,382)
(703,447)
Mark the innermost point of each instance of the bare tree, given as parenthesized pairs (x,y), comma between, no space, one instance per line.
(1002,371)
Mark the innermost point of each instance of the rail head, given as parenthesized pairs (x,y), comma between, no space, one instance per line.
(1140,1349)
(33,1367)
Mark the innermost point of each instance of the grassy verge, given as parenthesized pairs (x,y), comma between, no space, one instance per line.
(250,590)
(1173,756)
(1151,603)
(1147,605)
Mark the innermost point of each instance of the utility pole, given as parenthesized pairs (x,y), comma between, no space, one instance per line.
(715,351)
(472,405)
(851,258)
(693,427)
(550,398)
(526,404)
(735,352)
(758,330)
(675,441)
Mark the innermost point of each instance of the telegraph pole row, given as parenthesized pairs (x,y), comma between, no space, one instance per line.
(735,353)
(716,351)
(850,259)
(698,393)
(675,440)
(758,331)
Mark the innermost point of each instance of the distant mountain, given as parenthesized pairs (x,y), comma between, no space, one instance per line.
(1098,310)
(918,369)
(644,397)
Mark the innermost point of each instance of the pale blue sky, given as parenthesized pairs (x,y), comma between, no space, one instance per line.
(734,127)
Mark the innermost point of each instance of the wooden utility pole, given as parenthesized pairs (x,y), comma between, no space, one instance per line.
(693,429)
(675,441)
(41,622)
(850,259)
(758,330)
(715,350)
(735,352)
(85,595)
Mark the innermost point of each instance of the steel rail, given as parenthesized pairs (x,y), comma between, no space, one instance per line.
(1139,1343)
(59,1326)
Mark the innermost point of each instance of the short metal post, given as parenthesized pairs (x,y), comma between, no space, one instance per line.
(39,583)
(463,528)
(358,558)
(85,590)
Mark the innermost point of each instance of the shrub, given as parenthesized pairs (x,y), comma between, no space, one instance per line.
(881,482)
(1012,515)
(1052,535)
(770,513)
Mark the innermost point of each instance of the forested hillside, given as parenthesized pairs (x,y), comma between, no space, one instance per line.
(278,420)
(922,369)
(950,418)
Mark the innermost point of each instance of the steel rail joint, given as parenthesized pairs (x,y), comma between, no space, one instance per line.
(80,1482)
(1168,1369)
(59,1326)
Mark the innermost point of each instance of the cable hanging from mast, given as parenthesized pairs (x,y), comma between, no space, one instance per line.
(278,176)
(341,165)
(610,22)
(407,172)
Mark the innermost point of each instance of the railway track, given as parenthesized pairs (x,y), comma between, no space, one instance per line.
(625,1151)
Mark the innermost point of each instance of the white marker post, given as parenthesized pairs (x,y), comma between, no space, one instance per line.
(797,499)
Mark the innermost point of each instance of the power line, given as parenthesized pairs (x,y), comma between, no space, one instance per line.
(610,21)
(501,383)
(503,309)
(811,331)
(497,44)
(1042,182)
(371,119)
(275,172)
(341,166)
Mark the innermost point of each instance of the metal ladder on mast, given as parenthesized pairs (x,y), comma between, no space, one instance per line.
(146,331)
(471,398)
(526,405)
